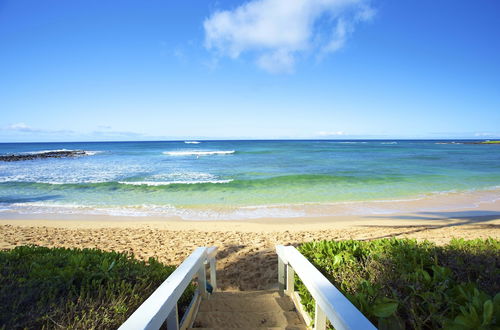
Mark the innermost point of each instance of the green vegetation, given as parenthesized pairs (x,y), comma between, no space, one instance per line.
(490,142)
(404,284)
(46,288)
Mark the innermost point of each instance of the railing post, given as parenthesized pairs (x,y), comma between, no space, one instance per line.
(290,280)
(202,281)
(319,318)
(173,319)
(281,275)
(213,274)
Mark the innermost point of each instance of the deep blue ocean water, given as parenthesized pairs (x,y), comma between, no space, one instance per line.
(186,179)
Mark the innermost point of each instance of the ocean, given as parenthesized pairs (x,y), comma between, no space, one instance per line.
(246,179)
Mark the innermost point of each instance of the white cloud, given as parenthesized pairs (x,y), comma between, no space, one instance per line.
(276,32)
(104,127)
(22,127)
(483,134)
(25,128)
(324,133)
(279,61)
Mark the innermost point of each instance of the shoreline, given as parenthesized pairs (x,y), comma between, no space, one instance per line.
(449,217)
(486,200)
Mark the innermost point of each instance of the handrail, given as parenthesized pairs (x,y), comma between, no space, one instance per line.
(330,302)
(162,303)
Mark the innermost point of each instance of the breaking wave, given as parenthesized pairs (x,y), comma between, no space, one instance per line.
(198,153)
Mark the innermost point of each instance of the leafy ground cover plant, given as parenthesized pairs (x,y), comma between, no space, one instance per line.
(405,284)
(47,288)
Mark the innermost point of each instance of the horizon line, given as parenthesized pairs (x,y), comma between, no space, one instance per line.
(263,139)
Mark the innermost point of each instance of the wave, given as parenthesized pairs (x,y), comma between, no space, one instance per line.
(388,143)
(352,142)
(147,210)
(92,152)
(166,183)
(198,153)
(192,142)
(452,201)
(41,152)
(203,183)
(58,178)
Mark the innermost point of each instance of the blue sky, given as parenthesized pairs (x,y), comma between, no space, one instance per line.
(86,70)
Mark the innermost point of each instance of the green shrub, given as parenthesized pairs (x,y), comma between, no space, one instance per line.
(404,284)
(75,288)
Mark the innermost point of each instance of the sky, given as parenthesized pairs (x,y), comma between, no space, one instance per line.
(94,70)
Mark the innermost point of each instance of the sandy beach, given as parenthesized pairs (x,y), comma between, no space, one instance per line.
(246,258)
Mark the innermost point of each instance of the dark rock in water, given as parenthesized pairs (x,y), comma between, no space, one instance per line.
(41,155)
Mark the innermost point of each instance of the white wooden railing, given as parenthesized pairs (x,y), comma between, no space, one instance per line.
(331,304)
(162,304)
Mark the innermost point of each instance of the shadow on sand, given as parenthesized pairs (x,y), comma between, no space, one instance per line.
(451,219)
(250,268)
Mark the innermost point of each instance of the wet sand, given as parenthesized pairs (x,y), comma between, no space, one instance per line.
(246,258)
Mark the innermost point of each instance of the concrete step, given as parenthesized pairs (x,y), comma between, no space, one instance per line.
(302,327)
(246,320)
(262,303)
(247,294)
(248,310)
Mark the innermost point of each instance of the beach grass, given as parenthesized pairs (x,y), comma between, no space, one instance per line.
(75,288)
(406,284)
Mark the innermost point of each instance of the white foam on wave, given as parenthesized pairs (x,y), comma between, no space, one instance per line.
(198,153)
(166,183)
(192,142)
(143,210)
(41,152)
(93,152)
(88,171)
(180,177)
(32,179)
(352,142)
(388,143)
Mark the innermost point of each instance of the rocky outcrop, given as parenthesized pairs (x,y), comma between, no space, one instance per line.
(41,155)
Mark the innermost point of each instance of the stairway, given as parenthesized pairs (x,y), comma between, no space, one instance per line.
(248,310)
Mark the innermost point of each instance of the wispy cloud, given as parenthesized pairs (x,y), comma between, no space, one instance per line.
(25,128)
(485,134)
(326,134)
(21,127)
(279,32)
(117,134)
(104,127)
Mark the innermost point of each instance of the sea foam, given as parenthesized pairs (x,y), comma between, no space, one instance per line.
(166,183)
(198,153)
(41,152)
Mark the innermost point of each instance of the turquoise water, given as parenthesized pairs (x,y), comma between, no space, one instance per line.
(176,178)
